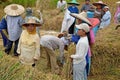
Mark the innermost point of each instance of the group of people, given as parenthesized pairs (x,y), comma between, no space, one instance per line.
(21,32)
(25,35)
(79,26)
(83,25)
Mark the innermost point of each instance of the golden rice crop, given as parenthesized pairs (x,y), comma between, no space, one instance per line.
(105,57)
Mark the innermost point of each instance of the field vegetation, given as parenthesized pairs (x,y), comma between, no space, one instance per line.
(105,52)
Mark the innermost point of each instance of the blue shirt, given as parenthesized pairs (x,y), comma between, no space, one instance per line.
(73,9)
(3,24)
(14,27)
(75,38)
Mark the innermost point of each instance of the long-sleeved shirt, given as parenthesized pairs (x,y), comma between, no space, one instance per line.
(53,43)
(73,9)
(28,47)
(14,28)
(105,21)
(67,21)
(3,23)
(81,50)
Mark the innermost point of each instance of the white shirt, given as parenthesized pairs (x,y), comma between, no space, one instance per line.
(81,50)
(28,48)
(67,21)
(105,21)
(61,4)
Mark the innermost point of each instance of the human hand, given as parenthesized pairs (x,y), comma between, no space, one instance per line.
(71,59)
(35,59)
(38,11)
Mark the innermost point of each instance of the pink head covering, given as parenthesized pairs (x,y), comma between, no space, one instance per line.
(116,13)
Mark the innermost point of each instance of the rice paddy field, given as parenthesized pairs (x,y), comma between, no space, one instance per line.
(105,63)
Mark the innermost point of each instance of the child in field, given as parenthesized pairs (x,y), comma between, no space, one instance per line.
(29,43)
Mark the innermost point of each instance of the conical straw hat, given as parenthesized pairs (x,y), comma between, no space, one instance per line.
(99,3)
(82,16)
(14,9)
(31,21)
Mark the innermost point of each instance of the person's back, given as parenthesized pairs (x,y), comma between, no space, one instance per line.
(51,42)
(14,23)
(14,27)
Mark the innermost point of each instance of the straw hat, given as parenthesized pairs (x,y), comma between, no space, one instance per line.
(99,3)
(83,26)
(73,2)
(14,9)
(31,21)
(118,2)
(82,16)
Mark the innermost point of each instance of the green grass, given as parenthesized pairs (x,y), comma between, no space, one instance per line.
(26,3)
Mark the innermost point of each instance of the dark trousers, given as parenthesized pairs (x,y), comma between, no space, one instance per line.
(71,29)
(9,46)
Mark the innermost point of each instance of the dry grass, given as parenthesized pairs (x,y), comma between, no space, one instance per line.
(105,58)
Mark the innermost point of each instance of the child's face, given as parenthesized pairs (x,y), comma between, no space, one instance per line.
(30,28)
(81,32)
(99,6)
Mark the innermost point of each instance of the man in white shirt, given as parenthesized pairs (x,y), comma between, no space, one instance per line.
(62,4)
(79,58)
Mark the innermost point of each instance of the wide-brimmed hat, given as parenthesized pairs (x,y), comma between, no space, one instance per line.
(82,16)
(83,26)
(14,9)
(73,2)
(99,3)
(31,21)
(118,2)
